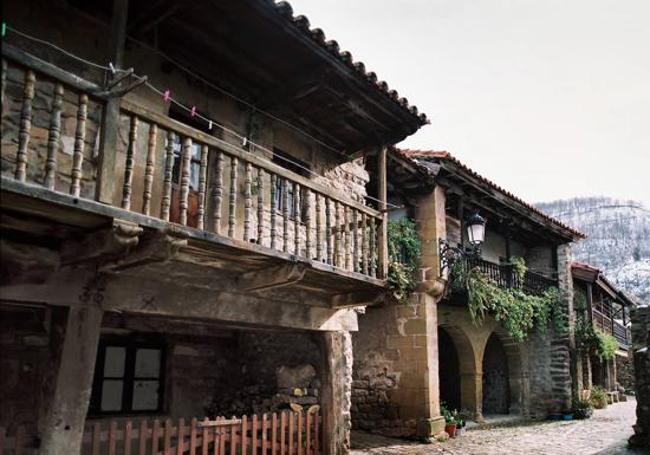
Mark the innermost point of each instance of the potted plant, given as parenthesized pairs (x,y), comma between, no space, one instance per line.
(460,426)
(582,409)
(599,397)
(451,420)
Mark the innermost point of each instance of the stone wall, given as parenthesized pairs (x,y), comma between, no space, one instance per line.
(625,372)
(640,342)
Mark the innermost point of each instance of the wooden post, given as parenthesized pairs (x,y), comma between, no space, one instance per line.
(62,426)
(382,195)
(337,383)
(111,114)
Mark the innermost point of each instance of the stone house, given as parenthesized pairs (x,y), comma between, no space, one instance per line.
(192,245)
(597,302)
(411,357)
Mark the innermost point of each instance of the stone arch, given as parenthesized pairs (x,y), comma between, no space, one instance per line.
(516,378)
(469,376)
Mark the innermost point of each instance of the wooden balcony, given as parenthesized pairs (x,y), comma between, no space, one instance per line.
(215,202)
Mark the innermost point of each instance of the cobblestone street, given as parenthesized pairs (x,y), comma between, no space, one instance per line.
(604,434)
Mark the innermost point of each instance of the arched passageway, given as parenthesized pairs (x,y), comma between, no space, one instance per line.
(496,378)
(449,372)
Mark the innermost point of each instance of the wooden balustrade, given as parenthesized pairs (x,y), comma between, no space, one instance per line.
(171,171)
(504,275)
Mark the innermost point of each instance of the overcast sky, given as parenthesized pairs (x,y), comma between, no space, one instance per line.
(548,98)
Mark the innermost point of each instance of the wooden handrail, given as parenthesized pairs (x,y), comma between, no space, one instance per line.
(233,150)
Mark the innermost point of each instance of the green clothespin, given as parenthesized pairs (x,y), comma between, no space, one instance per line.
(4,28)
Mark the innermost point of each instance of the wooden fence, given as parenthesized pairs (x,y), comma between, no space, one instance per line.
(285,433)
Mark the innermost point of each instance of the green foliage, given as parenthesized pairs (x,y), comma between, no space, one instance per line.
(579,299)
(598,397)
(518,311)
(519,266)
(580,404)
(451,415)
(404,250)
(594,341)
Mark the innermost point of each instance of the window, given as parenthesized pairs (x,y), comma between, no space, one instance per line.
(127,378)
(294,165)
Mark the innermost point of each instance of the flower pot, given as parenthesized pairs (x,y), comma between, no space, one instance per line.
(450,429)
(568,416)
(460,431)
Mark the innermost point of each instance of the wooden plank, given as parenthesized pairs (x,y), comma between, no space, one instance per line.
(299,431)
(180,437)
(285,215)
(274,433)
(217,194)
(203,182)
(308,433)
(248,201)
(222,440)
(296,219)
(112,437)
(260,206)
(243,155)
(97,436)
(193,431)
(128,435)
(291,432)
(167,439)
(274,208)
(205,443)
(283,433)
(155,436)
(382,195)
(233,438)
(316,433)
(308,197)
(143,435)
(244,434)
(254,436)
(79,144)
(186,163)
(265,429)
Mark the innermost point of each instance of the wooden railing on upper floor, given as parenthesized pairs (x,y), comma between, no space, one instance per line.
(171,171)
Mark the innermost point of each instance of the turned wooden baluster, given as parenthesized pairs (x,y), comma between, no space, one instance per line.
(25,126)
(355,237)
(203,187)
(128,165)
(319,237)
(296,219)
(79,142)
(328,229)
(232,200)
(260,206)
(338,240)
(186,162)
(364,244)
(149,169)
(53,137)
(167,177)
(308,224)
(248,201)
(285,216)
(346,247)
(217,194)
(373,246)
(273,211)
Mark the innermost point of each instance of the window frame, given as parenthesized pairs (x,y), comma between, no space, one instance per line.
(131,346)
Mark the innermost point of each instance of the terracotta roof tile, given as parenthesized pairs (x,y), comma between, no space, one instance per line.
(316,34)
(413,155)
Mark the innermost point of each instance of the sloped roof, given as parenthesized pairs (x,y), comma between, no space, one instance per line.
(316,34)
(420,157)
(600,279)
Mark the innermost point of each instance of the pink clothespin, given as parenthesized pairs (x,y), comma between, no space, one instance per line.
(193,111)
(167,95)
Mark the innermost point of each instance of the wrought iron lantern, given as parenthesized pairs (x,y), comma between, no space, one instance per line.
(476,229)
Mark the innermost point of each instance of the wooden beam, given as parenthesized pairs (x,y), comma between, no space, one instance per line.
(355,299)
(271,278)
(111,115)
(382,195)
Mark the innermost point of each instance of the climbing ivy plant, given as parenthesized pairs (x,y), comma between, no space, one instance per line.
(594,341)
(517,311)
(404,250)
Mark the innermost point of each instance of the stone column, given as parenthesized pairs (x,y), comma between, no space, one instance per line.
(640,344)
(62,425)
(337,390)
(563,352)
(471,394)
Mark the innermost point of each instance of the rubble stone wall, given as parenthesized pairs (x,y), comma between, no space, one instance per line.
(640,343)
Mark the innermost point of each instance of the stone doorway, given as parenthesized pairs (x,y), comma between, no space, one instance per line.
(449,372)
(496,384)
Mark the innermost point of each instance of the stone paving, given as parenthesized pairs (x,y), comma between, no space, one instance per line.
(605,433)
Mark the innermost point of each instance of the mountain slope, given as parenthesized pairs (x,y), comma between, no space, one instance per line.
(618,238)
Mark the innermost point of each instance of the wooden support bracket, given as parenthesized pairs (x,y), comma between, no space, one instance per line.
(353,299)
(271,278)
